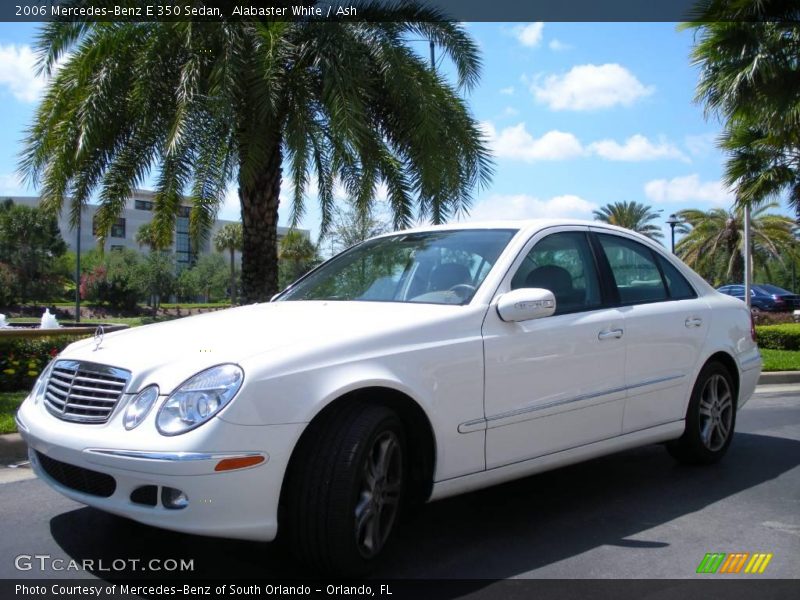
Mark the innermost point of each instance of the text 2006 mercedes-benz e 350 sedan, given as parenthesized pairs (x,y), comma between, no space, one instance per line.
(414,366)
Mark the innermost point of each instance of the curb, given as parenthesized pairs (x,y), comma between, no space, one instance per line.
(12,449)
(777,377)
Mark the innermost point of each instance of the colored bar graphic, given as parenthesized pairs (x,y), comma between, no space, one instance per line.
(711,562)
(734,562)
(758,563)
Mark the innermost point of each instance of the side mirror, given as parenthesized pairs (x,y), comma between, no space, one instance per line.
(525,304)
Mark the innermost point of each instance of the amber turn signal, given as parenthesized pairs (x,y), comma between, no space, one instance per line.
(230,464)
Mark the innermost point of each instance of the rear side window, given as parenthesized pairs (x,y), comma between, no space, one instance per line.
(635,271)
(679,288)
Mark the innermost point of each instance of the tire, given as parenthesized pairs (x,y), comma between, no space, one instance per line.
(710,418)
(345,489)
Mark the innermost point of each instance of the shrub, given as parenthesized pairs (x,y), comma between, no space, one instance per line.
(23,359)
(779,337)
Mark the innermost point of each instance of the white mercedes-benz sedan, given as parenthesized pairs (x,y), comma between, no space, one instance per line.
(411,367)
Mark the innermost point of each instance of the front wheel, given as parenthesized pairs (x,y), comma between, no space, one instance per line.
(710,418)
(346,487)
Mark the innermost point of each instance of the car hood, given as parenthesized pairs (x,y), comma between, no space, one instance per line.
(168,353)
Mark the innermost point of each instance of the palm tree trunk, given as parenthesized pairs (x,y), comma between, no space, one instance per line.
(233,277)
(260,199)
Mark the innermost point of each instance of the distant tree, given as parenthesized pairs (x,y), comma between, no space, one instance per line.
(229,238)
(147,235)
(631,215)
(296,256)
(156,276)
(31,248)
(114,279)
(713,240)
(207,278)
(350,226)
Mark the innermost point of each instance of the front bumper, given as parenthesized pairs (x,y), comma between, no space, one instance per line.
(241,503)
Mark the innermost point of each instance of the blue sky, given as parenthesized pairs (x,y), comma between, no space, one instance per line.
(578,115)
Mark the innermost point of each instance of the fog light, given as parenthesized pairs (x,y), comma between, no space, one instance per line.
(174,499)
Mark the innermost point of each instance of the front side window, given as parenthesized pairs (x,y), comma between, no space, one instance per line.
(437,267)
(562,263)
(635,271)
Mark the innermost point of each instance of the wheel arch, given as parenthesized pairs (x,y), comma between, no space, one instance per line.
(421,440)
(726,360)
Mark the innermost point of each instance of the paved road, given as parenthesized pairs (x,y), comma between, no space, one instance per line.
(632,515)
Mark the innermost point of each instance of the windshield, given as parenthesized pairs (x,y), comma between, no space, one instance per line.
(437,267)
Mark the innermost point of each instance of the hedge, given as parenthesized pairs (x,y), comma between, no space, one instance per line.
(779,337)
(22,359)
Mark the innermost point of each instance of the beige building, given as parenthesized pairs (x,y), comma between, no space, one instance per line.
(138,211)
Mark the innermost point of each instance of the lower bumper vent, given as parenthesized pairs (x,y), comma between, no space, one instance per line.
(76,478)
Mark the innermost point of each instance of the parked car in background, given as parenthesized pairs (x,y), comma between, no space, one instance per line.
(764,296)
(414,366)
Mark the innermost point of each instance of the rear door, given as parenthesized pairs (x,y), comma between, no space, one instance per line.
(665,327)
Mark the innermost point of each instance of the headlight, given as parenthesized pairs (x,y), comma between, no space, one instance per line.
(40,387)
(199,398)
(139,407)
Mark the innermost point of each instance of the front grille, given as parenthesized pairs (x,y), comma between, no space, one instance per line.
(84,392)
(77,478)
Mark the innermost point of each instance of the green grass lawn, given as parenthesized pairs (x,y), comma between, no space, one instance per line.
(781,360)
(9,402)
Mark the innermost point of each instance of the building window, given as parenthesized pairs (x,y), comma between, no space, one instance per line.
(185,256)
(118,229)
(143,205)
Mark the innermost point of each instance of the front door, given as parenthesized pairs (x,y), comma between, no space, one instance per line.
(556,382)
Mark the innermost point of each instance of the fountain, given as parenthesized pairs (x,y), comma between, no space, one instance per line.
(49,320)
(49,326)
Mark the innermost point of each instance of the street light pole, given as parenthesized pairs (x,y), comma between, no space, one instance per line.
(672,222)
(78,273)
(748,275)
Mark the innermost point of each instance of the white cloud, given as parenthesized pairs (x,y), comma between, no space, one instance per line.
(558,46)
(701,145)
(515,142)
(529,35)
(590,87)
(10,185)
(507,91)
(523,206)
(688,189)
(510,111)
(18,72)
(636,148)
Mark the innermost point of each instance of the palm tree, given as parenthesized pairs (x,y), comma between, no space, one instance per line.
(750,78)
(712,241)
(298,253)
(209,104)
(229,238)
(630,215)
(147,235)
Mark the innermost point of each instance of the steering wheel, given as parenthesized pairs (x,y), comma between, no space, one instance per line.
(463,289)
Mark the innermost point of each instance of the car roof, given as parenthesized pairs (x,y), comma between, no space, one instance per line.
(528,225)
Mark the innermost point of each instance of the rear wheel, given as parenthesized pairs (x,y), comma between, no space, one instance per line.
(710,418)
(345,489)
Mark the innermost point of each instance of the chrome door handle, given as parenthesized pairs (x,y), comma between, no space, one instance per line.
(609,334)
(693,322)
